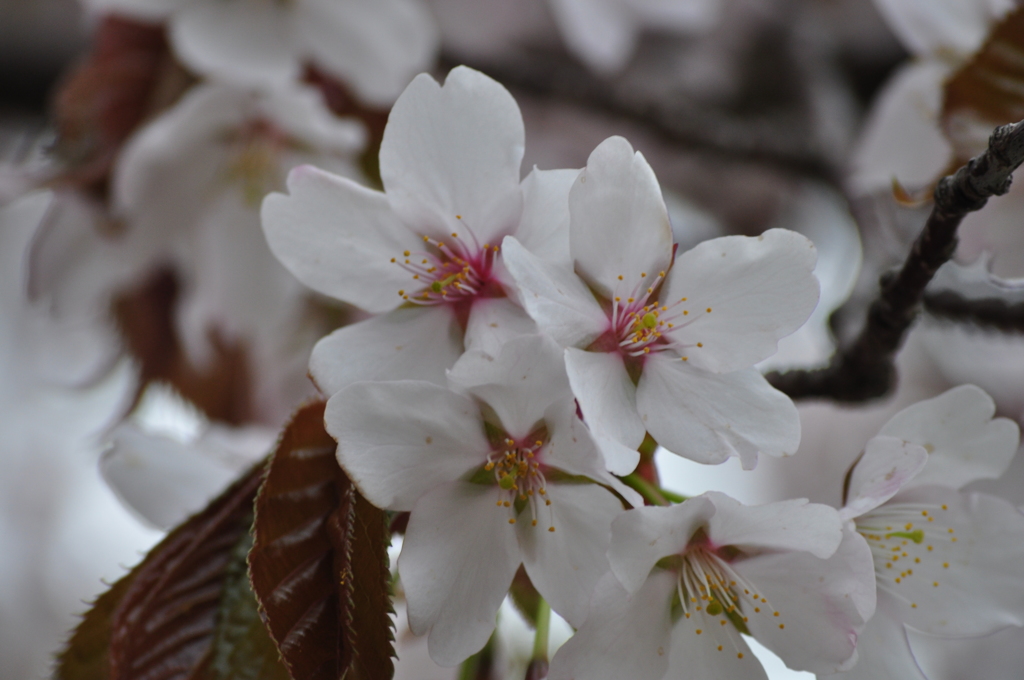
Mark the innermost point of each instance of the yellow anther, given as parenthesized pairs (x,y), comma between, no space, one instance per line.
(945,565)
(511,520)
(454,235)
(699,631)
(781,626)
(551,529)
(709,310)
(620,277)
(534,523)
(935,583)
(700,344)
(739,655)
(394,260)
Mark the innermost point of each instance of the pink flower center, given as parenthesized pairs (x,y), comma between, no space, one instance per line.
(450,272)
(640,324)
(517,470)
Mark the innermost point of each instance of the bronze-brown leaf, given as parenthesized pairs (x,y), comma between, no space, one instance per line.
(988,90)
(319,561)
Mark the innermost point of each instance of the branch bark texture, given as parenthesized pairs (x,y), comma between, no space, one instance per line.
(865,369)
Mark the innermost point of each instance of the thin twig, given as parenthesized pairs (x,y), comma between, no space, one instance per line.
(865,369)
(989,313)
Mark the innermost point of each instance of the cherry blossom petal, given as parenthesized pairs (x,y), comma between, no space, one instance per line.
(643,536)
(544,226)
(406,344)
(495,321)
(902,139)
(566,564)
(625,636)
(376,46)
(149,181)
(717,652)
(743,294)
(555,297)
(619,224)
(301,112)
(601,32)
(981,538)
(607,398)
(822,604)
(164,480)
(882,648)
(786,525)
(938,27)
(526,377)
(451,154)
(244,42)
(708,417)
(958,429)
(397,440)
(339,238)
(887,465)
(457,562)
(672,14)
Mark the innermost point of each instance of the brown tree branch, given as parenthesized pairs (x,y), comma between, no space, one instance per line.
(865,369)
(989,313)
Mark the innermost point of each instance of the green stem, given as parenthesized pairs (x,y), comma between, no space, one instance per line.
(479,666)
(651,493)
(673,496)
(540,640)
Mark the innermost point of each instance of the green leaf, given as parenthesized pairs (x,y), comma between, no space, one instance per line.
(319,561)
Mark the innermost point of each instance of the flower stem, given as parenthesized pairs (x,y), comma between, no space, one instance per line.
(651,493)
(480,665)
(538,667)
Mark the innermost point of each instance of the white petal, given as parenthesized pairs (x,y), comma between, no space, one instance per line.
(600,32)
(566,564)
(672,14)
(823,604)
(450,157)
(785,525)
(625,636)
(555,297)
(958,429)
(244,42)
(716,653)
(418,343)
(544,226)
(643,536)
(162,479)
(520,383)
(300,110)
(457,562)
(619,224)
(398,440)
(339,238)
(939,27)
(758,288)
(708,417)
(902,139)
(887,465)
(999,655)
(979,591)
(376,46)
(607,398)
(493,322)
(883,650)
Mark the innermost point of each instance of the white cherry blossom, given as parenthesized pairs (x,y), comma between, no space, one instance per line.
(687,580)
(604,33)
(375,46)
(186,192)
(903,138)
(947,563)
(497,474)
(668,347)
(424,254)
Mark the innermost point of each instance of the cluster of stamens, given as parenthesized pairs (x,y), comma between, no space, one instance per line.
(708,586)
(520,479)
(257,146)
(447,271)
(641,325)
(900,535)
